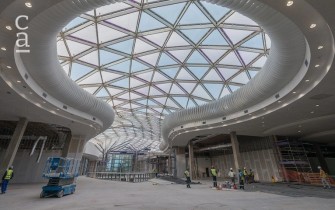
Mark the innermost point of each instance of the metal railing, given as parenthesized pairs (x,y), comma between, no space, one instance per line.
(126,177)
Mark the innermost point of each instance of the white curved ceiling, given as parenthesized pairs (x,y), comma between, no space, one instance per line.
(151,58)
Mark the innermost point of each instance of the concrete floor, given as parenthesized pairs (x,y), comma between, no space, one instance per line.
(102,194)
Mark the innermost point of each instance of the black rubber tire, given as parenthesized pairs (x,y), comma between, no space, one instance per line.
(42,195)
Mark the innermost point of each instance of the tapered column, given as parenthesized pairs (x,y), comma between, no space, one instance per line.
(321,158)
(73,148)
(236,150)
(190,159)
(14,144)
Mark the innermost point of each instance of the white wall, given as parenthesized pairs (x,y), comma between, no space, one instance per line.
(26,170)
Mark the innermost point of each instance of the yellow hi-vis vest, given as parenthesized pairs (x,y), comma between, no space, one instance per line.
(213,172)
(187,174)
(9,174)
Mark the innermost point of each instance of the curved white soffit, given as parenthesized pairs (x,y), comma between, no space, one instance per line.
(43,67)
(285,64)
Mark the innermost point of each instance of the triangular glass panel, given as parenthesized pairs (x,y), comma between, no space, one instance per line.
(212,76)
(91,90)
(125,46)
(255,42)
(151,103)
(106,34)
(151,58)
(107,76)
(260,62)
(234,87)
(61,49)
(253,73)
(241,78)
(108,57)
(88,32)
(201,92)
(111,8)
(200,102)
(171,72)
(144,101)
(216,39)
(227,73)
(141,46)
(191,104)
(134,106)
(126,106)
(181,55)
(154,91)
(176,90)
(143,90)
(171,103)
(165,60)
(181,101)
(91,58)
(239,19)
(135,83)
(146,76)
(92,79)
(196,57)
(78,71)
(102,93)
(166,112)
(125,96)
(195,34)
(128,21)
(122,83)
(170,12)
(214,89)
(188,86)
(165,87)
(248,56)
(158,77)
(158,109)
(161,100)
(213,55)
(230,59)
(159,38)
(114,91)
(198,71)
(184,75)
(137,66)
(216,11)
(134,96)
(193,15)
(237,35)
(176,40)
(224,92)
(149,23)
(123,67)
(117,102)
(76,48)
(75,22)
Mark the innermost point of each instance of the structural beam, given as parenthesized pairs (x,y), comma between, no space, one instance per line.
(236,150)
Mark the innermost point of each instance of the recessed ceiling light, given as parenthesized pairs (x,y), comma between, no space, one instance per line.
(307,80)
(294,92)
(18,81)
(289,3)
(312,25)
(9,67)
(279,101)
(317,65)
(3,49)
(317,105)
(30,92)
(9,28)
(312,112)
(28,4)
(320,47)
(299,131)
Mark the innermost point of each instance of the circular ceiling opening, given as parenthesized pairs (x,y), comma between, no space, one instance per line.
(150,58)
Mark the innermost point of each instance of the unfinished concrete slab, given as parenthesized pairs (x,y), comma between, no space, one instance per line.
(159,194)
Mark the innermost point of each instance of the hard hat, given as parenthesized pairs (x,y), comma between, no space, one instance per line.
(319,167)
(231,169)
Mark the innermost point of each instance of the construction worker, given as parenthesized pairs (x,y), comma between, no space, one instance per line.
(155,172)
(324,176)
(241,179)
(246,175)
(188,178)
(8,175)
(231,175)
(214,174)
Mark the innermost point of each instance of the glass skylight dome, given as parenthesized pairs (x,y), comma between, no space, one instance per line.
(148,59)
